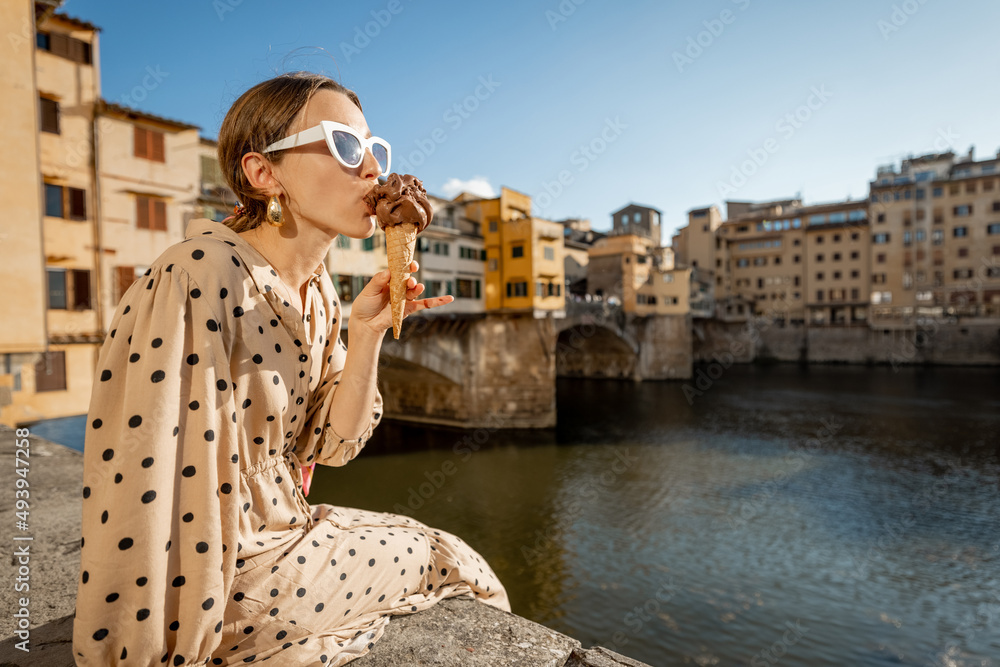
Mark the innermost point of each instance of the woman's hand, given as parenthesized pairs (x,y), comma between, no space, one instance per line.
(372,307)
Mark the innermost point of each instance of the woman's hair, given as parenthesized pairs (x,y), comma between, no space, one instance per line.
(261,116)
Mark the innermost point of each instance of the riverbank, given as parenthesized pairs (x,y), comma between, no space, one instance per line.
(455,632)
(941,344)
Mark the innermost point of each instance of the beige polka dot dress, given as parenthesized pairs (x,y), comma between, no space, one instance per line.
(212,395)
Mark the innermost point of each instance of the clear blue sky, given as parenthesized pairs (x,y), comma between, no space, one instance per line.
(894,77)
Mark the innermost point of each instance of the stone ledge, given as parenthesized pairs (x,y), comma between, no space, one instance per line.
(456,632)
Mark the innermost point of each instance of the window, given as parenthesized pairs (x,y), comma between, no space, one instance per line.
(150,213)
(819,258)
(760,261)
(855,273)
(960,232)
(970,187)
(517,289)
(742,262)
(517,251)
(68,289)
(880,258)
(838,217)
(149,144)
(797,280)
(819,239)
(493,226)
(796,259)
(937,236)
(921,235)
(880,238)
(539,289)
(836,275)
(855,255)
(907,238)
(441,248)
(963,211)
(880,217)
(836,238)
(907,280)
(777,260)
(423,245)
(921,193)
(855,294)
(343,241)
(836,256)
(993,229)
(492,264)
(963,252)
(368,244)
(65,46)
(49,110)
(961,274)
(819,295)
(549,252)
(857,214)
(636,216)
(937,192)
(466,289)
(53,200)
(819,276)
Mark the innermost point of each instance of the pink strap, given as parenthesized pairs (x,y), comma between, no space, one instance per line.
(307,472)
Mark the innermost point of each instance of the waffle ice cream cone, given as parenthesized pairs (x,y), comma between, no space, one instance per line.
(400,242)
(401,207)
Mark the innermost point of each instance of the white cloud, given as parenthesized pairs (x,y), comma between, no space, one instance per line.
(477,185)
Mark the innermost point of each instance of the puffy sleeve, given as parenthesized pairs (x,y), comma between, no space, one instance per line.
(318,442)
(160,510)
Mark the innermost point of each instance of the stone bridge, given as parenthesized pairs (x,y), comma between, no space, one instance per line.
(498,370)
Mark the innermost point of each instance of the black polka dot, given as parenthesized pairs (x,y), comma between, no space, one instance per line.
(125,543)
(149,496)
(188,471)
(135,420)
(198,254)
(142,615)
(158,376)
(105,375)
(108,454)
(201,547)
(148,461)
(178,581)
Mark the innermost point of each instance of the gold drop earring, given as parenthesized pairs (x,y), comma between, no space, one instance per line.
(274,212)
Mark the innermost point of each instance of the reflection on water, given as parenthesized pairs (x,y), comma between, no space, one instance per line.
(820,516)
(795,516)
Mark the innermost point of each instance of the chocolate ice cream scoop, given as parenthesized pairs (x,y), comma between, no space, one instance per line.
(400,199)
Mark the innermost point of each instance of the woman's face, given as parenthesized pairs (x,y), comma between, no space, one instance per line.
(319,190)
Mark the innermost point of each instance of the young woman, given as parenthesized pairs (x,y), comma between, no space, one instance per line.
(222,382)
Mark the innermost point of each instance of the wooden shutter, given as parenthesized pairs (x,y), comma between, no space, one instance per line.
(77,204)
(156,151)
(159,215)
(81,289)
(50,115)
(59,44)
(142,212)
(125,276)
(50,372)
(140,142)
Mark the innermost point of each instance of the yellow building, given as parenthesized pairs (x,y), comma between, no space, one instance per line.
(51,249)
(935,239)
(524,255)
(149,183)
(631,268)
(797,263)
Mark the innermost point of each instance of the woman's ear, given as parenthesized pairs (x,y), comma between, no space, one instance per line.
(257,169)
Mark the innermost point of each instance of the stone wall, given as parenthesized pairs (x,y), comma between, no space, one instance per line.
(945,344)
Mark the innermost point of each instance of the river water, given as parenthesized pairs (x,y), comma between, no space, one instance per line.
(829,515)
